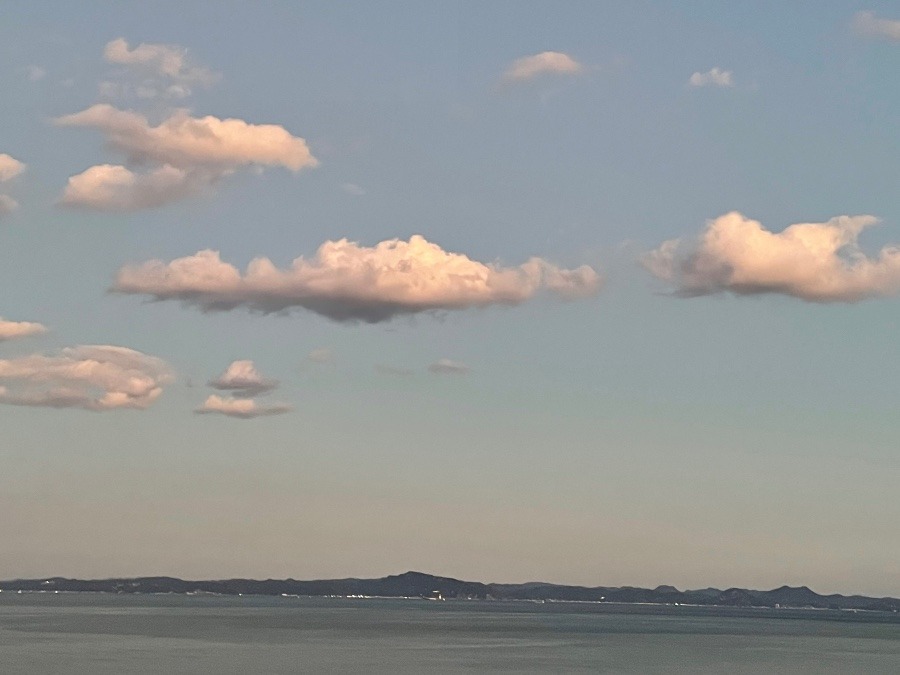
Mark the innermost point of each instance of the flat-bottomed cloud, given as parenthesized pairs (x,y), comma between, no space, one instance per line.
(93,377)
(186,155)
(348,282)
(243,379)
(818,262)
(529,67)
(10,330)
(243,408)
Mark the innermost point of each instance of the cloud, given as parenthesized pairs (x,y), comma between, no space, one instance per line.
(716,77)
(868,25)
(190,154)
(242,378)
(243,408)
(35,73)
(817,262)
(353,189)
(448,367)
(96,377)
(163,70)
(10,167)
(393,370)
(529,67)
(322,355)
(188,142)
(108,187)
(349,282)
(10,330)
(7,205)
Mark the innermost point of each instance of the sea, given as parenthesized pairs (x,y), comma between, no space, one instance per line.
(88,633)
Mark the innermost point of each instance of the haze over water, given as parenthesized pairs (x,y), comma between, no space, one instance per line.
(81,634)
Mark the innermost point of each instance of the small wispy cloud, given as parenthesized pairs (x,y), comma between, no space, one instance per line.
(35,73)
(545,63)
(866,24)
(158,70)
(321,355)
(448,367)
(394,371)
(353,189)
(715,77)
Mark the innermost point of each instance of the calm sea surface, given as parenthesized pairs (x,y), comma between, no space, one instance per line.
(94,633)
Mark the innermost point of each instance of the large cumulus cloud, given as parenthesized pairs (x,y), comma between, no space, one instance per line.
(93,377)
(348,282)
(817,262)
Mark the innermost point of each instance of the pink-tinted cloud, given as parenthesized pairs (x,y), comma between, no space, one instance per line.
(108,187)
(868,25)
(95,377)
(10,167)
(10,330)
(242,378)
(529,67)
(349,282)
(243,408)
(188,142)
(161,70)
(817,262)
(448,367)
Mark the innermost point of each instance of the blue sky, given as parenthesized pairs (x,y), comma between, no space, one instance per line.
(716,411)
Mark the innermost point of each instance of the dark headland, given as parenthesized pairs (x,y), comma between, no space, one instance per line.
(417,584)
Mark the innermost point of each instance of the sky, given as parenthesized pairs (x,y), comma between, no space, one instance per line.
(598,293)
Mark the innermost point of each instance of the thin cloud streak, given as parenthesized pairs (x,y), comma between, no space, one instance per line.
(241,408)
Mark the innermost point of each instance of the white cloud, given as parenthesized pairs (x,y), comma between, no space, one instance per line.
(35,73)
(349,282)
(242,378)
(529,67)
(716,77)
(97,377)
(10,167)
(190,154)
(10,330)
(321,355)
(817,262)
(243,408)
(448,367)
(163,70)
(869,25)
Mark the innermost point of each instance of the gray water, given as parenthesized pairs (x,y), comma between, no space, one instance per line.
(94,633)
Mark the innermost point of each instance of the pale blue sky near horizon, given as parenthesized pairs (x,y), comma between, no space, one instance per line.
(633,437)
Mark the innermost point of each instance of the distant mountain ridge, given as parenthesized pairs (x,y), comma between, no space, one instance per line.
(419,584)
